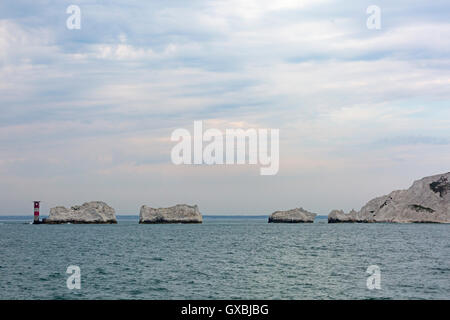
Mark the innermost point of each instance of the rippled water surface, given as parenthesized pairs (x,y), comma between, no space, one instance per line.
(225,259)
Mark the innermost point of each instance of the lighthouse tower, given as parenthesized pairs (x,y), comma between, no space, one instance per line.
(36,212)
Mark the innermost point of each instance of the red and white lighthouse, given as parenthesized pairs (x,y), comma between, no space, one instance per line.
(36,211)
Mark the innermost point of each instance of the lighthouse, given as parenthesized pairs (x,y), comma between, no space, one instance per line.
(36,212)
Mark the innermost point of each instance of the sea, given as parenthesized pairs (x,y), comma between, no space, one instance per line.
(226,257)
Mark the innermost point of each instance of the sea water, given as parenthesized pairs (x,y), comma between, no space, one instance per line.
(224,258)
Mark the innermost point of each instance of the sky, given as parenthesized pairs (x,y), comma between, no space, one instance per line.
(87,114)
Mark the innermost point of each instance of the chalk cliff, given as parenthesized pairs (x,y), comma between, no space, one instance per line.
(89,212)
(297,215)
(427,201)
(181,213)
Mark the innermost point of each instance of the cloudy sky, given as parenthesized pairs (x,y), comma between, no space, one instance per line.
(87,114)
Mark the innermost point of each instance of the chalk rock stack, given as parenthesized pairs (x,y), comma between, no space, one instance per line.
(297,215)
(89,212)
(340,216)
(181,213)
(426,201)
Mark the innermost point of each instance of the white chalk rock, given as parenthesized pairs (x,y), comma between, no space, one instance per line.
(181,213)
(341,216)
(89,212)
(427,201)
(297,215)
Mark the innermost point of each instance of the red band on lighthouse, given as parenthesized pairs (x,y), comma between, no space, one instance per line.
(36,211)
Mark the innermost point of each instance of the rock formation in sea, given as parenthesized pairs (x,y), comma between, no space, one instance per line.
(181,213)
(297,215)
(89,212)
(427,201)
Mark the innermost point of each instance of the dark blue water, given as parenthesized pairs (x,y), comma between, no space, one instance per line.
(224,258)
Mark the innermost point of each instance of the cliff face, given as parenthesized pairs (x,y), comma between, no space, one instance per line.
(89,212)
(427,200)
(292,216)
(181,213)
